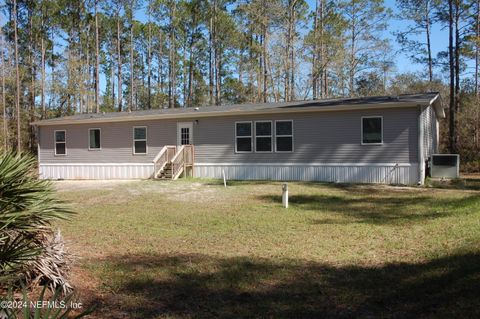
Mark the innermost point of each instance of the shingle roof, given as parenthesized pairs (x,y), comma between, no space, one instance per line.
(330,104)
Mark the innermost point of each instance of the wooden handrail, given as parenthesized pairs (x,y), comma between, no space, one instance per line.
(162,159)
(178,162)
(178,157)
(162,151)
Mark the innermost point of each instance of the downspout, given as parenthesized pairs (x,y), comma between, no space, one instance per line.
(421,158)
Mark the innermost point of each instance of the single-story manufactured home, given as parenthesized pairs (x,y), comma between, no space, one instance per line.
(384,139)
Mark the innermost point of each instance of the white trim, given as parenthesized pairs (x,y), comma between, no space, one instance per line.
(421,158)
(383,174)
(271,135)
(179,135)
(307,164)
(251,136)
(361,129)
(140,140)
(240,164)
(293,141)
(358,107)
(55,142)
(94,149)
(95,164)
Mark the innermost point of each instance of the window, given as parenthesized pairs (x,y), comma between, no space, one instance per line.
(243,137)
(284,136)
(140,140)
(60,143)
(94,139)
(372,130)
(263,136)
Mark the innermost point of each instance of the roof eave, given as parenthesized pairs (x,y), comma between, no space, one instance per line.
(438,106)
(231,113)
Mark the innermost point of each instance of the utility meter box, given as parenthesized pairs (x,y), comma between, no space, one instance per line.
(445,166)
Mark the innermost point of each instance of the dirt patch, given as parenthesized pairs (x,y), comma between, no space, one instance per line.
(73,185)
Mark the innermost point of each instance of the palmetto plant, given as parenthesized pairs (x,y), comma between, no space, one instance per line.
(28,207)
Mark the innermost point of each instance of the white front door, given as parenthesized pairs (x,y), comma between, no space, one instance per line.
(184,133)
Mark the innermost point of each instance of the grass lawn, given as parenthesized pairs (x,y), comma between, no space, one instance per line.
(150,249)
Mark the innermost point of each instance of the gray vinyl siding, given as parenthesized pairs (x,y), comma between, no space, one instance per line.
(429,122)
(116,141)
(319,137)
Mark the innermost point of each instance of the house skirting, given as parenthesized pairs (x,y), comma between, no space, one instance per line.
(383,173)
(96,171)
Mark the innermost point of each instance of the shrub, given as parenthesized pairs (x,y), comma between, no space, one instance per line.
(29,250)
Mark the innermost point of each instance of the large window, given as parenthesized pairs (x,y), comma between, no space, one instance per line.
(94,139)
(140,140)
(60,142)
(263,136)
(372,130)
(243,137)
(284,136)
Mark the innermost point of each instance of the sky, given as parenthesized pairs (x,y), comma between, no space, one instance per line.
(403,63)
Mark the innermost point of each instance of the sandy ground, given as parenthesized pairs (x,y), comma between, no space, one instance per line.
(71,185)
(197,191)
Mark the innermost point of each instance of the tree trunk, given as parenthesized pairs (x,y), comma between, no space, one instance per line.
(477,50)
(184,84)
(160,86)
(265,52)
(42,98)
(210,60)
(132,84)
(452,113)
(97,63)
(314,52)
(87,73)
(17,79)
(457,61)
(429,47)
(172,69)
(477,91)
(323,55)
(149,64)
(217,57)
(292,53)
(353,58)
(119,66)
(287,54)
(4,105)
(190,70)
(265,57)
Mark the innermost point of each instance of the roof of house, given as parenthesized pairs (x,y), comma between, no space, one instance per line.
(375,102)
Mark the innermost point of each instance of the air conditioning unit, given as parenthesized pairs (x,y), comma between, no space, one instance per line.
(445,166)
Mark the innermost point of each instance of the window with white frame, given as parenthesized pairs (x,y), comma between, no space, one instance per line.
(140,140)
(94,139)
(243,137)
(60,142)
(372,130)
(263,136)
(284,136)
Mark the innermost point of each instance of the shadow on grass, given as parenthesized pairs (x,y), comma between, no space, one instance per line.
(459,184)
(380,209)
(202,286)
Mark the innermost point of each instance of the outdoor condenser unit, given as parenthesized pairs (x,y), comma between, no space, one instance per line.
(445,166)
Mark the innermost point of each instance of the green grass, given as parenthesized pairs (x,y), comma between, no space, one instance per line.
(195,249)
